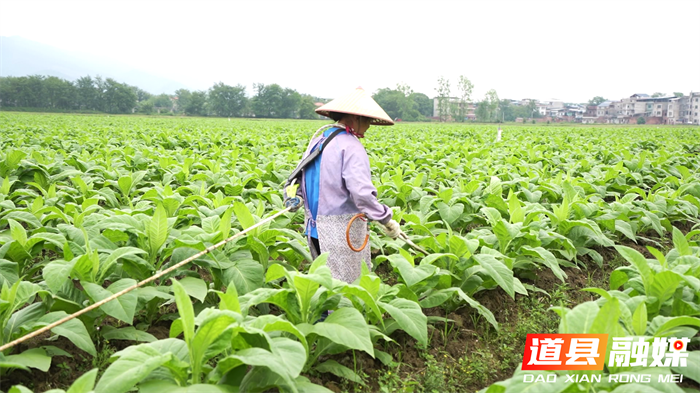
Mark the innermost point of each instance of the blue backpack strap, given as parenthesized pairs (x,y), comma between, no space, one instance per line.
(311,157)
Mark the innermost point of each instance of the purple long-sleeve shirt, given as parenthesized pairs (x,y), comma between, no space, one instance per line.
(345,185)
(345,189)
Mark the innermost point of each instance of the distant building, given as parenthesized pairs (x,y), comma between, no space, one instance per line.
(604,109)
(694,108)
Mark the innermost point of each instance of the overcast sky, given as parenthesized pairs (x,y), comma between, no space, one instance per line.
(570,50)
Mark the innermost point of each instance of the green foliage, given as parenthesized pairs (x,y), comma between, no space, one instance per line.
(597,100)
(90,205)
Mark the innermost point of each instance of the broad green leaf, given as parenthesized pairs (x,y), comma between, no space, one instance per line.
(305,290)
(639,262)
(185,309)
(18,233)
(450,213)
(548,258)
(246,275)
(245,218)
(131,368)
(618,278)
(518,384)
(365,296)
(123,307)
(195,287)
(669,325)
(34,358)
(25,217)
(318,262)
(625,228)
(663,287)
(57,273)
(410,274)
(85,383)
(127,333)
(337,369)
(498,271)
(210,330)
(410,318)
(485,312)
(580,319)
(273,323)
(635,388)
(275,272)
(607,319)
(515,209)
(680,242)
(125,183)
(160,386)
(437,298)
(692,369)
(286,360)
(74,330)
(115,255)
(639,320)
(157,229)
(225,223)
(347,327)
(229,300)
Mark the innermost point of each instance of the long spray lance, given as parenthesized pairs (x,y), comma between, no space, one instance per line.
(137,285)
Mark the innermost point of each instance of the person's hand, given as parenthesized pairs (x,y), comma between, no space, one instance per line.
(392,229)
(293,203)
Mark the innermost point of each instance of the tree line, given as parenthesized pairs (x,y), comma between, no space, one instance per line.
(88,94)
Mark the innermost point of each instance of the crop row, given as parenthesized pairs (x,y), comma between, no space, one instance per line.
(90,205)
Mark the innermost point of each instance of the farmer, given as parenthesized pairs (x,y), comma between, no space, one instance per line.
(337,185)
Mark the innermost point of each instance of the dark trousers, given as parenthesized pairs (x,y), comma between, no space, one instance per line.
(316,247)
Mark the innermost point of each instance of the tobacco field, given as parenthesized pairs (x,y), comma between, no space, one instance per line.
(90,205)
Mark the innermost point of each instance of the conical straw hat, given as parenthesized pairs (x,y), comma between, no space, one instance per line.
(358,102)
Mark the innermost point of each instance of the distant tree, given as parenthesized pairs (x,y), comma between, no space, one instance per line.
(227,101)
(640,120)
(87,93)
(290,104)
(482,111)
(142,95)
(493,104)
(424,104)
(678,94)
(60,93)
(268,100)
(117,97)
(389,99)
(465,87)
(196,105)
(7,92)
(145,106)
(523,111)
(443,92)
(183,99)
(162,101)
(531,109)
(507,111)
(655,95)
(597,100)
(307,107)
(400,103)
(31,92)
(408,110)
